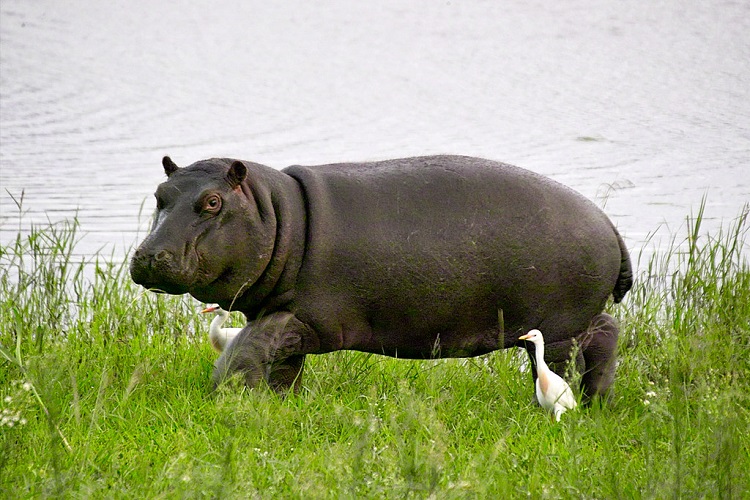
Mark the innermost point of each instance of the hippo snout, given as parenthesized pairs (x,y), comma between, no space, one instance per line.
(146,258)
(142,263)
(157,269)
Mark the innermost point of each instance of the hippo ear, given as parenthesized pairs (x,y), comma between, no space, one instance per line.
(237,173)
(169,166)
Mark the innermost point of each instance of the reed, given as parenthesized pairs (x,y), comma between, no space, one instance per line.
(105,393)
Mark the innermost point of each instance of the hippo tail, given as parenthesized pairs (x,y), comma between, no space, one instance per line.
(625,278)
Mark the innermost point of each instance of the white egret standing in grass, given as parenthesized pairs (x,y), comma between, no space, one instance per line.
(220,337)
(552,392)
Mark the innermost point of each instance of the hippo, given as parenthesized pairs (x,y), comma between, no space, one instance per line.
(417,258)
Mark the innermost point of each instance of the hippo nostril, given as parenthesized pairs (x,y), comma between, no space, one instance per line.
(162,255)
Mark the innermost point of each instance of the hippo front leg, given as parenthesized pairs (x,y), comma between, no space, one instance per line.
(270,350)
(286,374)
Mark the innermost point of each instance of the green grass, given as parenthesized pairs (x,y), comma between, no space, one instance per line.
(105,393)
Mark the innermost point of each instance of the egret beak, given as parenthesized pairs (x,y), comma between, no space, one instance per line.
(209,309)
(525,337)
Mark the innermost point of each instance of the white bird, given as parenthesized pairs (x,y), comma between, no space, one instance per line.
(220,337)
(552,392)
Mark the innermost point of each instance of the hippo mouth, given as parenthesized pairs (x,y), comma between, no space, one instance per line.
(222,289)
(157,279)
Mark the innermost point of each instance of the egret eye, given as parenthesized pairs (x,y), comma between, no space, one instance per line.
(212,203)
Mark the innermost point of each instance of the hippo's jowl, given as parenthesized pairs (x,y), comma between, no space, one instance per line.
(438,256)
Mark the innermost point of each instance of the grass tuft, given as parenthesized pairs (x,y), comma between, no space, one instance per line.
(105,392)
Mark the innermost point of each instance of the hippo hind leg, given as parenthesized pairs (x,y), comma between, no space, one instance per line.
(593,355)
(563,358)
(599,346)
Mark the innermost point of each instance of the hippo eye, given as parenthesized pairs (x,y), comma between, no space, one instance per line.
(212,203)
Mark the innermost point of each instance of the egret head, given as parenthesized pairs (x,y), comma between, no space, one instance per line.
(214,308)
(534,336)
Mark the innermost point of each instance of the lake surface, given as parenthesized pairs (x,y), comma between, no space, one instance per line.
(644,107)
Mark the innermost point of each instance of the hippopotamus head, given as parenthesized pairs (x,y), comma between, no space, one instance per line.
(209,236)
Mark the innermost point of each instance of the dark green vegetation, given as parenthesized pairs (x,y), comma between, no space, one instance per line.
(104,392)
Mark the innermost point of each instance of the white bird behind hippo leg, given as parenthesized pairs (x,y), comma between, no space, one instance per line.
(552,392)
(220,337)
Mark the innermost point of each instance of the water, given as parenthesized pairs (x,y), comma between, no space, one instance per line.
(643,106)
